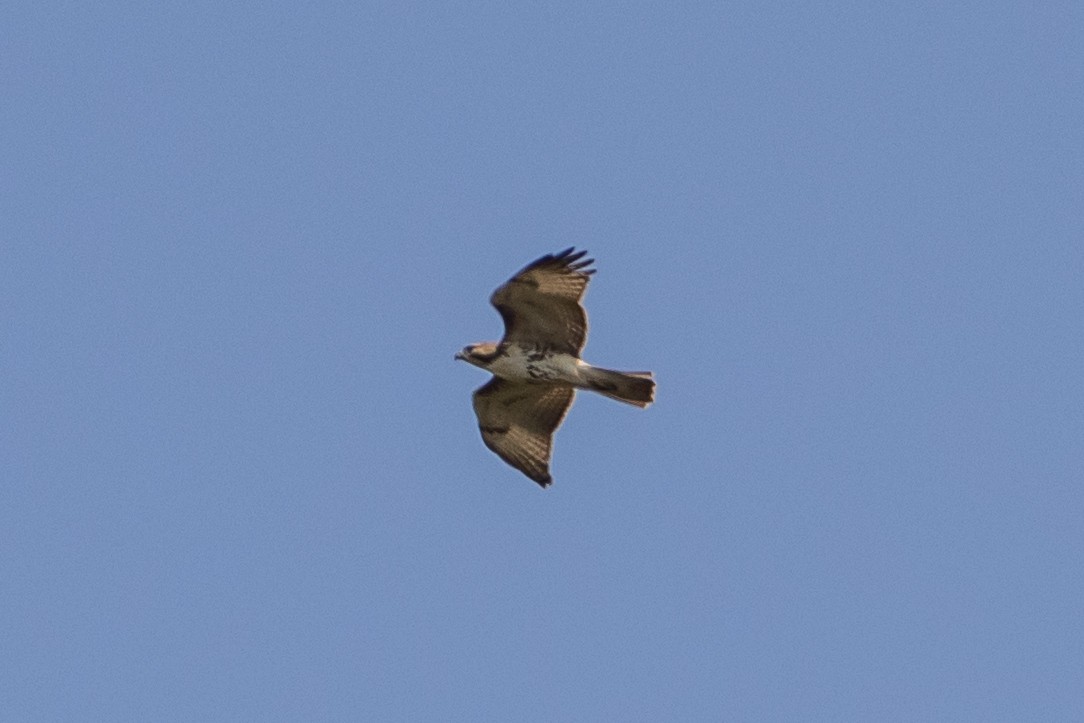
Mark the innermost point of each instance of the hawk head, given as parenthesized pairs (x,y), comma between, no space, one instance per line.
(480,355)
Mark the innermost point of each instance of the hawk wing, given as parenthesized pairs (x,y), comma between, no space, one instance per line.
(518,422)
(541,304)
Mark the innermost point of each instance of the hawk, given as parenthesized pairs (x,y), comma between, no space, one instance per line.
(537,368)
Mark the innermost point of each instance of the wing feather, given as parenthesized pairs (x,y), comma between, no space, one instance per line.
(517,422)
(541,305)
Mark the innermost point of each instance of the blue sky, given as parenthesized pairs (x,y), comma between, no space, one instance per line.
(241,477)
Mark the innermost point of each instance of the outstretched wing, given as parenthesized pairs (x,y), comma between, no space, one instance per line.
(518,422)
(541,304)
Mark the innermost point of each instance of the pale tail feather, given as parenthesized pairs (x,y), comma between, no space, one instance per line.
(629,387)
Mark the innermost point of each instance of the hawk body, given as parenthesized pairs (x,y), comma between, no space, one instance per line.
(536,367)
(529,364)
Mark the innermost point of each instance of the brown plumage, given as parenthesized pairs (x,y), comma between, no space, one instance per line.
(541,304)
(518,421)
(537,365)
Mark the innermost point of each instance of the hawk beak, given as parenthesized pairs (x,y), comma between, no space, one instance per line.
(458,355)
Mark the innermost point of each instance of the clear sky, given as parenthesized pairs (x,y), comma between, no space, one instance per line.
(241,476)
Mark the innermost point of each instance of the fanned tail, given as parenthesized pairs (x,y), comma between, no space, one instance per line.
(637,388)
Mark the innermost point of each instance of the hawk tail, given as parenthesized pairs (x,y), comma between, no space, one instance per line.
(635,388)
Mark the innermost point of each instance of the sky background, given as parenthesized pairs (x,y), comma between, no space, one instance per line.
(241,475)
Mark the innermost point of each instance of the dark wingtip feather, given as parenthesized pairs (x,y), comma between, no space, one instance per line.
(572,261)
(568,261)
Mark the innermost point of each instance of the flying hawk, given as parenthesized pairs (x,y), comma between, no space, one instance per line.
(536,367)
